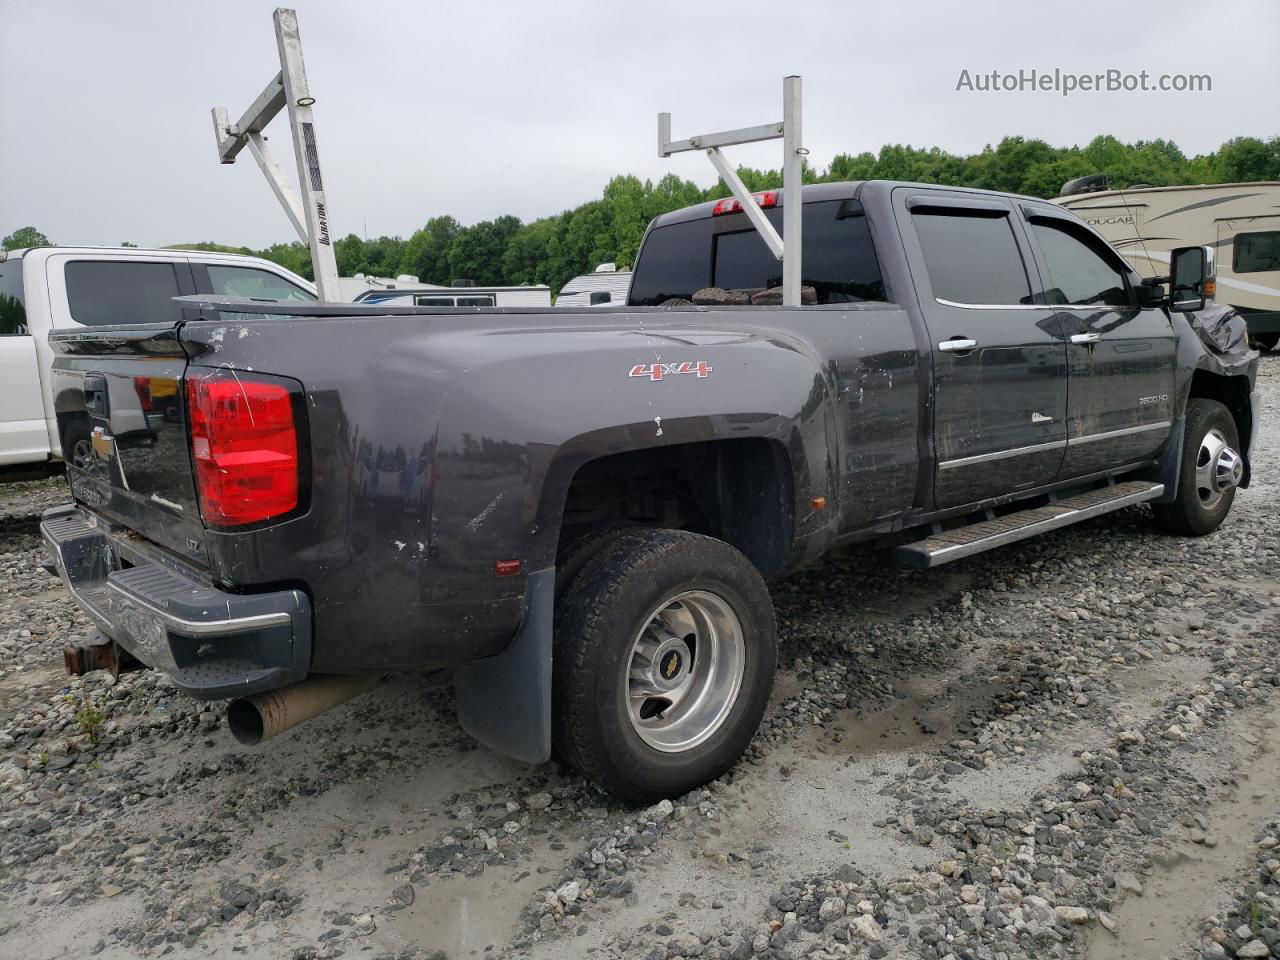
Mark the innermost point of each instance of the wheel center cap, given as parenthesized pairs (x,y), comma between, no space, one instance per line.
(671,665)
(1229,470)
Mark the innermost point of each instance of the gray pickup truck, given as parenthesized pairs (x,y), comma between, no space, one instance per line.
(578,509)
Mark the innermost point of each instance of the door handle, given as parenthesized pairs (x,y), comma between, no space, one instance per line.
(1085,337)
(957,345)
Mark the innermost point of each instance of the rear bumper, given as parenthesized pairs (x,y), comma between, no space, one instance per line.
(214,644)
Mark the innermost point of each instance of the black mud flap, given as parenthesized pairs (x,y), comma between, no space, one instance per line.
(505,701)
(1168,466)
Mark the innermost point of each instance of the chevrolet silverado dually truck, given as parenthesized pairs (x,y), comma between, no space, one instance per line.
(578,510)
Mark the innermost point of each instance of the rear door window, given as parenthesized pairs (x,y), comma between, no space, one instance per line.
(13,302)
(972,256)
(106,292)
(252,282)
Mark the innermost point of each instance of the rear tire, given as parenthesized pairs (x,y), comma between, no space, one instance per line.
(1211,467)
(574,558)
(665,650)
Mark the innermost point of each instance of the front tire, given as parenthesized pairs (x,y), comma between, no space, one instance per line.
(665,651)
(1265,341)
(1211,468)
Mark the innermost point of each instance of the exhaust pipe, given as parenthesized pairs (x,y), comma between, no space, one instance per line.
(263,715)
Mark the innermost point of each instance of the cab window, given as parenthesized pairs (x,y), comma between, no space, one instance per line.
(838,256)
(105,292)
(13,310)
(972,256)
(1083,271)
(252,282)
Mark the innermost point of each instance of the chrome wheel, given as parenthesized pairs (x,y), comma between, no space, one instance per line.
(82,454)
(685,671)
(1219,468)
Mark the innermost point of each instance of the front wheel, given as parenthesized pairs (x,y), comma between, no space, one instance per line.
(665,651)
(1211,469)
(1265,341)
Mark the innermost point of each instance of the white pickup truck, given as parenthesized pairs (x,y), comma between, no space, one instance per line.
(56,288)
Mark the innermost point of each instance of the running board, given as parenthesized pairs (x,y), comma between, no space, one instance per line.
(965,541)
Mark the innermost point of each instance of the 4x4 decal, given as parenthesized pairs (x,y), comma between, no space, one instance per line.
(656,371)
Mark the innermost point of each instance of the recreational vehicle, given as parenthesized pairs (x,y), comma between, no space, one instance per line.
(461,294)
(603,286)
(1240,221)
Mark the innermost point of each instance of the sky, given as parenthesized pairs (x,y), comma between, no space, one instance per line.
(528,107)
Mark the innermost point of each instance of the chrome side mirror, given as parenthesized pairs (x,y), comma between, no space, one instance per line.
(1192,283)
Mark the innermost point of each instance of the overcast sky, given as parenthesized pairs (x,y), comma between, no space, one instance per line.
(527,107)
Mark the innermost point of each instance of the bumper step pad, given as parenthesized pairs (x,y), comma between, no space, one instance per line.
(940,548)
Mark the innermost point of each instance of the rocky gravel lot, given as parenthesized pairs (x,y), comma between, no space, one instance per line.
(1067,748)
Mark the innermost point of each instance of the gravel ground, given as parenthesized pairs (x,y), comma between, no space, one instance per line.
(1066,748)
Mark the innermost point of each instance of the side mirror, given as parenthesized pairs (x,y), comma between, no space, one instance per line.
(1192,283)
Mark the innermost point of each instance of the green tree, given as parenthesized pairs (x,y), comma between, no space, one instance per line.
(24,237)
(477,251)
(554,249)
(1248,158)
(426,253)
(528,256)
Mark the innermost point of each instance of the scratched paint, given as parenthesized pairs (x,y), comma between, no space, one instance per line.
(478,520)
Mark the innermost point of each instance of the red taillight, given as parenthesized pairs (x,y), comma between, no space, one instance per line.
(767,199)
(142,387)
(245,447)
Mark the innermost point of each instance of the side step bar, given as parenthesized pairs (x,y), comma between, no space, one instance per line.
(951,545)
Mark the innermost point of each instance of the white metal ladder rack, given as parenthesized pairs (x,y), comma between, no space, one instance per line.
(793,153)
(288,88)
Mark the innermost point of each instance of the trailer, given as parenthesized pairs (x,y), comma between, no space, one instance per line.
(1239,221)
(603,286)
(458,295)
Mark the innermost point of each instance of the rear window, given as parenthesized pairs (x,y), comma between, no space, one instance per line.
(13,308)
(104,292)
(839,259)
(1256,252)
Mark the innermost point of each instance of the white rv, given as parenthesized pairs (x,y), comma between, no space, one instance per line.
(461,294)
(605,286)
(1240,221)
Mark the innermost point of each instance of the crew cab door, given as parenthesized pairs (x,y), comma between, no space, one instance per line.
(999,397)
(1121,357)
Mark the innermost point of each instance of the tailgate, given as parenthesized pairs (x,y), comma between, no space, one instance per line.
(119,404)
